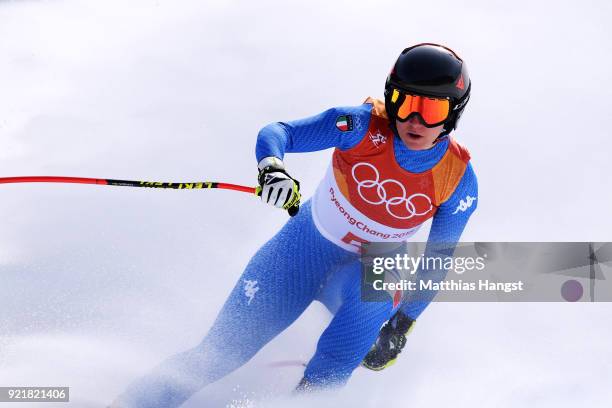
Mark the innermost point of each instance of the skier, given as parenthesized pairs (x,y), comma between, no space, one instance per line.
(394,167)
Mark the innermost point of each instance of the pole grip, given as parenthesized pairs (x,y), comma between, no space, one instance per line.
(292,211)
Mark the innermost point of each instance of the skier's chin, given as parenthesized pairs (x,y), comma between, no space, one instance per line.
(415,141)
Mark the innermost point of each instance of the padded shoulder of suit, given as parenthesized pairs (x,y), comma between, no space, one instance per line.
(459,150)
(378,107)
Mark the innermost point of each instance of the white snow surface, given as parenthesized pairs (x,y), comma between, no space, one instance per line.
(99,284)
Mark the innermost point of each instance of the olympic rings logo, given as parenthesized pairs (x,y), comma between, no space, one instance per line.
(381,192)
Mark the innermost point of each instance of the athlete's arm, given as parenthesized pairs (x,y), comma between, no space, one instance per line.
(314,133)
(452,216)
(446,229)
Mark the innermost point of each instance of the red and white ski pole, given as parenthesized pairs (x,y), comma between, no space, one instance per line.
(196,185)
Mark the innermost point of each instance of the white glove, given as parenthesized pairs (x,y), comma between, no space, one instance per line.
(277,187)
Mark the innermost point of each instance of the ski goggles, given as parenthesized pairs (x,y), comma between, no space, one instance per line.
(434,111)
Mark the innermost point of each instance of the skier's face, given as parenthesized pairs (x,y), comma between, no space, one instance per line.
(415,135)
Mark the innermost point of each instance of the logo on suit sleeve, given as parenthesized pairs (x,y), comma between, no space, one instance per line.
(465,204)
(345,123)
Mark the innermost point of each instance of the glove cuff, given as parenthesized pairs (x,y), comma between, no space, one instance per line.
(270,163)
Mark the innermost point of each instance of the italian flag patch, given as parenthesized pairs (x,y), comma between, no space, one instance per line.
(344,123)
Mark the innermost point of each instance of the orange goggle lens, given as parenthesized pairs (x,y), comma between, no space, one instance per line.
(433,110)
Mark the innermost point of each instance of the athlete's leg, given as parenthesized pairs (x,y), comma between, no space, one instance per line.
(349,336)
(278,284)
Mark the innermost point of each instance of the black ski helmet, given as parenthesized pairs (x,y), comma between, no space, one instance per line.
(430,70)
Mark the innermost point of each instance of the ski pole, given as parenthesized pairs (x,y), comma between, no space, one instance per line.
(197,185)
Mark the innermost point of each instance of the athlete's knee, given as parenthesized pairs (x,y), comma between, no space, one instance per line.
(230,351)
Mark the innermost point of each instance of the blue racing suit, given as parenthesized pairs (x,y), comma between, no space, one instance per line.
(299,265)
